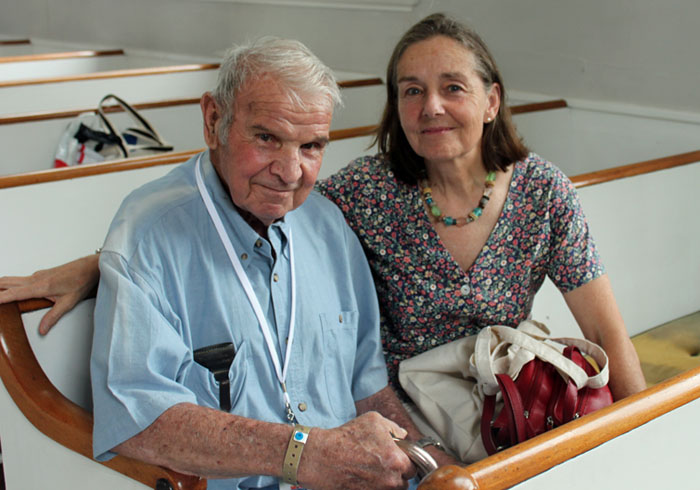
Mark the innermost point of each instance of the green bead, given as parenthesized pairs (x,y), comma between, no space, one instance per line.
(435,211)
(491,177)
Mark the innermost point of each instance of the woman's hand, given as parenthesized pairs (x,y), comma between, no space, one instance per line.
(65,285)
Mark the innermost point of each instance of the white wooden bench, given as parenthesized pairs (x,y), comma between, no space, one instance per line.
(57,54)
(580,140)
(135,86)
(30,142)
(38,420)
(645,229)
(23,46)
(30,139)
(58,67)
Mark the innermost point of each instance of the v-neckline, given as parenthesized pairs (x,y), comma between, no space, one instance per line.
(435,236)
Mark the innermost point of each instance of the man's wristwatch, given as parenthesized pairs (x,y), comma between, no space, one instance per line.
(429,441)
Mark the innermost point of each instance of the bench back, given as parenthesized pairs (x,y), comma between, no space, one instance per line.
(38,419)
(580,140)
(134,86)
(645,230)
(101,61)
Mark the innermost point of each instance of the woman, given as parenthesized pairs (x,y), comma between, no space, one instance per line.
(459,223)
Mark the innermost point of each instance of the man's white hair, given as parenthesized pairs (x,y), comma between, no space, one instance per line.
(287,61)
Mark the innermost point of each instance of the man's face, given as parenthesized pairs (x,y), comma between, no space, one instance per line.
(274,149)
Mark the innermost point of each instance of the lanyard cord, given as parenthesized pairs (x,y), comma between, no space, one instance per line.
(280,371)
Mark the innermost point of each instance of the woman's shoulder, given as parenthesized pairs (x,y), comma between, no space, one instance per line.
(537,172)
(368,167)
(360,177)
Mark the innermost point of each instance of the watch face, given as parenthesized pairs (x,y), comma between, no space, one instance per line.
(300,437)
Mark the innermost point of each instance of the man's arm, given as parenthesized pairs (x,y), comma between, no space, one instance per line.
(387,403)
(65,285)
(198,440)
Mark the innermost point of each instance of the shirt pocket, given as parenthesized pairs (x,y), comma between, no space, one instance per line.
(340,352)
(205,386)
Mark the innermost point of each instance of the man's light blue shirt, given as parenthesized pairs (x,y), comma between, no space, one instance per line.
(167,288)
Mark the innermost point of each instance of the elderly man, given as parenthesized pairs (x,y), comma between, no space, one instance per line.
(231,251)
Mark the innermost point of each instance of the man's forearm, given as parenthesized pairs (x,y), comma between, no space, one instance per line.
(387,403)
(209,443)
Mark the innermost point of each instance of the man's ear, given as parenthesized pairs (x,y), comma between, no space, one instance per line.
(212,119)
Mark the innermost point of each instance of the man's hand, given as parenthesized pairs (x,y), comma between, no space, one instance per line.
(360,454)
(65,285)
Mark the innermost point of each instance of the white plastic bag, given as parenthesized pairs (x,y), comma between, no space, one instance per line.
(92,137)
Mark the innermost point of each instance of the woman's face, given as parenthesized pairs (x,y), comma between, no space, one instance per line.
(443,103)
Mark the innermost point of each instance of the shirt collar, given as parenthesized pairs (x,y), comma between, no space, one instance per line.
(244,233)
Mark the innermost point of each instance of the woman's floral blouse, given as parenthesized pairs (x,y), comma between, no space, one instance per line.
(426,299)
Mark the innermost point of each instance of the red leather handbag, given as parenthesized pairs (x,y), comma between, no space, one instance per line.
(539,399)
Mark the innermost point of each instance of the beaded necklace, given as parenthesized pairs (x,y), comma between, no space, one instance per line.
(427,195)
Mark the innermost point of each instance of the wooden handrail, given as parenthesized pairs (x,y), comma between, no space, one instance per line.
(536,455)
(538,106)
(65,173)
(11,42)
(61,56)
(101,75)
(156,70)
(50,115)
(56,416)
(34,304)
(341,134)
(623,171)
(56,174)
(360,82)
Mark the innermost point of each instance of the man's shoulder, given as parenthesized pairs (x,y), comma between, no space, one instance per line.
(145,207)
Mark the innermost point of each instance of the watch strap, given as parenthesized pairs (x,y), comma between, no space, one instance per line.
(293,455)
(429,441)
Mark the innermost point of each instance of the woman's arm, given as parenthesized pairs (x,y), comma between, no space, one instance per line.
(65,285)
(595,309)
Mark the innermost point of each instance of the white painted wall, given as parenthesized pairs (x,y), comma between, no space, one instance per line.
(640,52)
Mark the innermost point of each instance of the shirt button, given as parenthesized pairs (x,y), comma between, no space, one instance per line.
(258,243)
(302,407)
(244,256)
(340,318)
(465,289)
(275,277)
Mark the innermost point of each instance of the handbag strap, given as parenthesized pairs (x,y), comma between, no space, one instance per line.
(144,129)
(514,411)
(487,367)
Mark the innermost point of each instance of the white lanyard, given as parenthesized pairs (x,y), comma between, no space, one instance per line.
(281,372)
